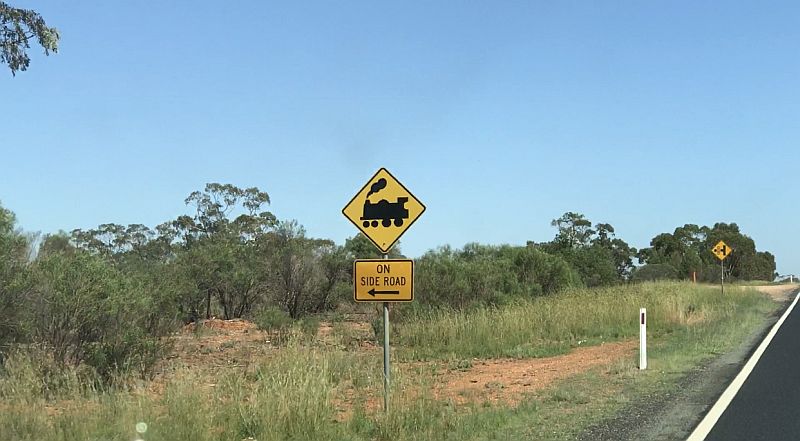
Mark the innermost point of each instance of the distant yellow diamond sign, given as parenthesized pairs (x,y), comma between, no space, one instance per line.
(721,250)
(383,210)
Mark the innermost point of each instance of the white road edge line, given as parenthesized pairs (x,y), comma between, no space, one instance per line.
(702,430)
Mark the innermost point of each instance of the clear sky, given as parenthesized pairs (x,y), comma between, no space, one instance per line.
(499,116)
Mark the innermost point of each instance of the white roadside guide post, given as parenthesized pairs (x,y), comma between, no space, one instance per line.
(642,338)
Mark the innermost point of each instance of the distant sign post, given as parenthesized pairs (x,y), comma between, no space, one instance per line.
(383,210)
(722,251)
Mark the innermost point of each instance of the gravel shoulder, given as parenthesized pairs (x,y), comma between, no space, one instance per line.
(672,415)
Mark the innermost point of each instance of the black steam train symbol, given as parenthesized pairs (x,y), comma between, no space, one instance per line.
(386,212)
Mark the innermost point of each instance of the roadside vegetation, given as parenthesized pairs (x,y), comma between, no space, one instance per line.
(554,324)
(89,321)
(311,389)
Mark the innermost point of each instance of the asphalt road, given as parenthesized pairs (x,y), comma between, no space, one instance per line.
(767,406)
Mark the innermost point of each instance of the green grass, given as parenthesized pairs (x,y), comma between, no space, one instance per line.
(563,412)
(309,391)
(551,325)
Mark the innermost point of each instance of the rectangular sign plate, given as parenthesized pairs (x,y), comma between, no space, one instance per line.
(383,280)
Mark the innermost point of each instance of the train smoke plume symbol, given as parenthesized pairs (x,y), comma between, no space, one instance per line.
(379,185)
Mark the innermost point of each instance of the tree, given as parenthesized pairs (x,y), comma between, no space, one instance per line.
(684,250)
(337,270)
(599,257)
(211,255)
(574,230)
(13,280)
(688,250)
(55,243)
(654,271)
(221,250)
(18,28)
(360,247)
(621,253)
(213,209)
(765,266)
(297,280)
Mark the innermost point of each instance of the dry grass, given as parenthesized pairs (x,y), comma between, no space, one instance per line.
(329,389)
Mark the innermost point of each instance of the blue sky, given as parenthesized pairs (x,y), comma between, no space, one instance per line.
(499,116)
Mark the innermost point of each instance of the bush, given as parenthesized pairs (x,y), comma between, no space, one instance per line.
(272,319)
(309,326)
(13,280)
(655,271)
(377,329)
(85,311)
(30,374)
(133,352)
(489,275)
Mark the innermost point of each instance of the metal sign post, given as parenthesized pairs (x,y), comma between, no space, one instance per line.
(386,366)
(383,210)
(384,281)
(722,250)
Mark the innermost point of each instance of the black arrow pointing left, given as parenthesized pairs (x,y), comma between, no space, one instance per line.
(374,292)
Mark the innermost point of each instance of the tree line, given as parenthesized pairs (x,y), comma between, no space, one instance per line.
(104,297)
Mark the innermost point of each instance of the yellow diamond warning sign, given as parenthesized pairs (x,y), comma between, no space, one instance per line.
(383,210)
(721,250)
(383,280)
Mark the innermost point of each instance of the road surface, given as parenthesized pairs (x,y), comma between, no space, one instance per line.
(767,405)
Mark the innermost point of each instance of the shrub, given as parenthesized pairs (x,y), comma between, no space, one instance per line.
(489,275)
(85,311)
(13,279)
(30,374)
(272,319)
(309,326)
(654,271)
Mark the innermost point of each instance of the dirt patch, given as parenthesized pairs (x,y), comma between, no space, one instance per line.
(235,325)
(495,381)
(329,332)
(216,342)
(507,381)
(779,293)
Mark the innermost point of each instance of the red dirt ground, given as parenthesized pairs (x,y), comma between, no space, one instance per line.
(239,343)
